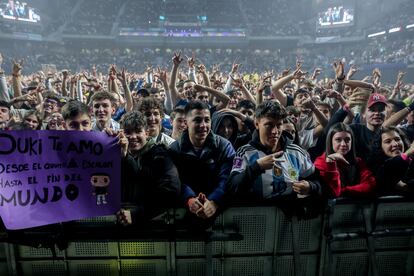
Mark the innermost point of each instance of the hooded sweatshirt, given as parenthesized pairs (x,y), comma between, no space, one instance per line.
(218,119)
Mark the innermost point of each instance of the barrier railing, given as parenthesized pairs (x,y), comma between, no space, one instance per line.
(350,238)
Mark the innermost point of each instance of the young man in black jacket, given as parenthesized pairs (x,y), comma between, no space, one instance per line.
(149,177)
(204,162)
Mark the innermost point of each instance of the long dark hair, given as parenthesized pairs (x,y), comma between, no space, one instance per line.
(339,127)
(349,174)
(377,156)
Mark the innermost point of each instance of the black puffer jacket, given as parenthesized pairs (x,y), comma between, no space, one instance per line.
(150,182)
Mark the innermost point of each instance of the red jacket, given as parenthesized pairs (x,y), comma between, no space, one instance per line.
(330,173)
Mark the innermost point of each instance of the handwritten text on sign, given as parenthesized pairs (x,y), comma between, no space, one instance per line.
(54,176)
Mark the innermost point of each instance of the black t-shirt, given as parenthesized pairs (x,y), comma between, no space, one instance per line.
(363,138)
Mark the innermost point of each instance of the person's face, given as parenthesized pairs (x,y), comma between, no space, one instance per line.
(299,98)
(55,121)
(153,117)
(347,91)
(392,144)
(289,128)
(289,91)
(179,123)
(50,106)
(4,114)
(375,115)
(188,90)
(199,125)
(103,110)
(233,102)
(247,111)
(82,122)
(226,128)
(325,111)
(294,117)
(135,96)
(202,96)
(32,121)
(270,130)
(137,139)
(389,110)
(342,142)
(156,96)
(162,95)
(238,95)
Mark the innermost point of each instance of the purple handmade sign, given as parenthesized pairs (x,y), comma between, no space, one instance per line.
(55,176)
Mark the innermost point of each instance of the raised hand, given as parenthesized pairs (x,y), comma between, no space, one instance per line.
(177,59)
(338,67)
(330,93)
(264,81)
(74,79)
(235,67)
(285,72)
(299,63)
(399,82)
(191,61)
(201,68)
(122,76)
(352,70)
(299,74)
(65,73)
(316,73)
(161,74)
(216,68)
(376,76)
(401,74)
(17,68)
(239,83)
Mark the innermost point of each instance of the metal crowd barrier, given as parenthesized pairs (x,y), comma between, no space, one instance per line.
(350,238)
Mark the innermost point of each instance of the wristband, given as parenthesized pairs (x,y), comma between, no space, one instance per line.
(411,107)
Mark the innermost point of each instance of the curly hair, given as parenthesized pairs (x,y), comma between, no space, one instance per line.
(149,103)
(134,120)
(377,156)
